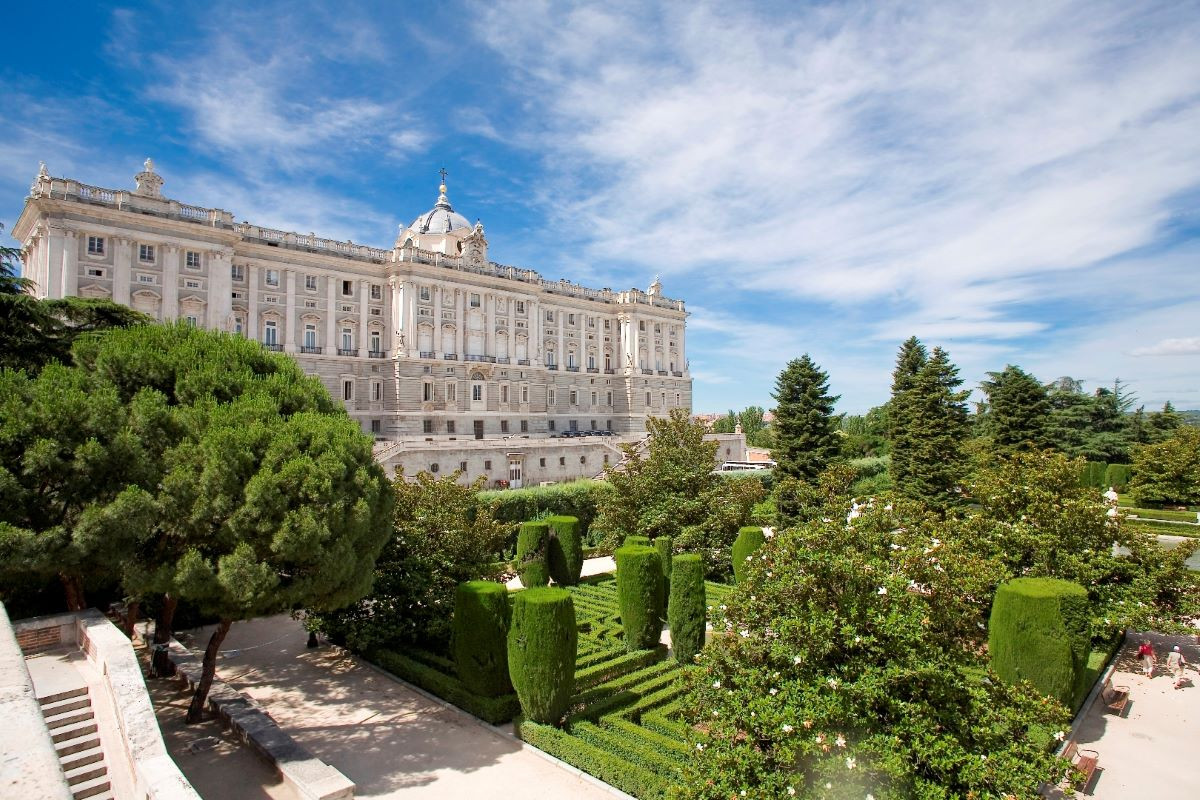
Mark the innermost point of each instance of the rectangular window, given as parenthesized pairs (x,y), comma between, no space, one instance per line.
(238,325)
(191,284)
(270,332)
(476,392)
(145,279)
(95,245)
(237,272)
(310,282)
(376,391)
(146,253)
(450,426)
(310,335)
(593,398)
(272,277)
(474,301)
(550,398)
(347,390)
(191,259)
(348,288)
(451,392)
(427,426)
(648,400)
(504,393)
(427,392)
(524,426)
(520,306)
(607,324)
(376,342)
(376,426)
(424,292)
(562,461)
(310,303)
(641,324)
(609,399)
(574,397)
(504,426)
(192,321)
(549,316)
(95,272)
(462,466)
(376,291)
(549,425)
(347,339)
(524,394)
(487,464)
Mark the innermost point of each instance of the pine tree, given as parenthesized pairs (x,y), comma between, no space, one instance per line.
(909,363)
(1017,412)
(1162,424)
(937,427)
(806,437)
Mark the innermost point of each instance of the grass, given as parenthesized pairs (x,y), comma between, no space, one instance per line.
(1159,527)
(1097,661)
(1170,516)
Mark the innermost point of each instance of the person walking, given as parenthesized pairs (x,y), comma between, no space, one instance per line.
(1175,663)
(1146,656)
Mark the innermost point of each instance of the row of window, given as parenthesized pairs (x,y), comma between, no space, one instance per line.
(513,466)
(96,246)
(376,393)
(310,340)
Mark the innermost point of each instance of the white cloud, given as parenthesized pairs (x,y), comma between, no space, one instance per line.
(1189,346)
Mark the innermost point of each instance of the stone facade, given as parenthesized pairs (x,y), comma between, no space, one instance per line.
(426,342)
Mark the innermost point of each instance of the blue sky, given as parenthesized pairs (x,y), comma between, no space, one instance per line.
(1016,181)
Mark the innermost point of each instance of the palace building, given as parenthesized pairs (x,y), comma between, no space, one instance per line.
(426,343)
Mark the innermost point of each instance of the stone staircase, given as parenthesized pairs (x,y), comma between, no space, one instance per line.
(72,725)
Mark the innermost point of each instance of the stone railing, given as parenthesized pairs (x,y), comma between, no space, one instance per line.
(66,189)
(311,242)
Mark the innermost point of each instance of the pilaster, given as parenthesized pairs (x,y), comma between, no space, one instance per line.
(289,323)
(252,303)
(331,312)
(489,302)
(459,321)
(364,339)
(122,269)
(170,287)
(70,263)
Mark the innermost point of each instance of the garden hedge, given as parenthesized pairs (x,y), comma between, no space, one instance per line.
(533,544)
(748,540)
(1117,476)
(640,541)
(1038,631)
(639,595)
(481,614)
(1092,474)
(579,499)
(490,709)
(663,545)
(542,646)
(611,768)
(685,609)
(564,558)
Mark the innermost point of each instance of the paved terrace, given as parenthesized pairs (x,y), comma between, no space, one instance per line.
(1152,750)
(390,740)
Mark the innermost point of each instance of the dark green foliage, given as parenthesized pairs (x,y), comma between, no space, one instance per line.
(1017,410)
(1092,474)
(685,609)
(865,436)
(432,679)
(1117,476)
(640,596)
(481,614)
(533,547)
(749,539)
(564,558)
(754,426)
(542,644)
(613,769)
(638,541)
(663,545)
(1169,471)
(806,437)
(930,425)
(901,408)
(579,499)
(1093,426)
(1038,631)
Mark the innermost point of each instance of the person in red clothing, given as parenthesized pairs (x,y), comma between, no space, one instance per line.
(1146,656)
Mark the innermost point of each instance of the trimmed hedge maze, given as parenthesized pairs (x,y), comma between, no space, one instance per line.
(623,726)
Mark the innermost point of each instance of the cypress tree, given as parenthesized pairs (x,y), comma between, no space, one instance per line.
(806,438)
(937,427)
(1018,410)
(909,363)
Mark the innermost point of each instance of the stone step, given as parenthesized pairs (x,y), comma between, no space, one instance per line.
(73,731)
(70,704)
(66,694)
(81,758)
(85,773)
(68,718)
(91,788)
(72,746)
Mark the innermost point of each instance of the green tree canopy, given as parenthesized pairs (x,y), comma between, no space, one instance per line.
(1168,471)
(929,426)
(806,438)
(901,408)
(1017,410)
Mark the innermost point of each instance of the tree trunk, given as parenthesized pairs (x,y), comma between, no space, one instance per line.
(312,639)
(196,709)
(132,610)
(163,629)
(73,585)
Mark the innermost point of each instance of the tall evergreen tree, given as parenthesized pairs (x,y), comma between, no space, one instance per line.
(1017,410)
(806,437)
(909,363)
(1162,424)
(938,426)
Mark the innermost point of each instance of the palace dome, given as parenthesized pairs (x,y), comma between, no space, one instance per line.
(442,218)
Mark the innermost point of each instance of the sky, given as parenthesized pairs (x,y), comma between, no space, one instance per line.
(1016,182)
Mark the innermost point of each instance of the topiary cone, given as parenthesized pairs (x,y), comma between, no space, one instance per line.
(533,543)
(1038,631)
(748,540)
(565,550)
(542,643)
(481,616)
(685,609)
(639,595)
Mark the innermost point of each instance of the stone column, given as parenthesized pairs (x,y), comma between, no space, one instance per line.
(489,339)
(331,312)
(636,349)
(397,316)
(364,338)
(289,311)
(54,282)
(70,264)
(170,287)
(534,350)
(122,270)
(251,329)
(683,365)
(410,316)
(562,338)
(220,286)
(459,321)
(438,350)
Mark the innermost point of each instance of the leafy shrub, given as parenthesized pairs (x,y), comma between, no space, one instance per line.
(490,709)
(481,614)
(542,645)
(1169,471)
(613,769)
(564,558)
(638,541)
(685,609)
(1092,474)
(748,540)
(1038,631)
(579,499)
(639,595)
(533,546)
(1117,476)
(663,545)
(764,476)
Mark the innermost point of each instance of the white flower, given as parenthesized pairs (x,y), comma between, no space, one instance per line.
(722,606)
(1059,736)
(840,741)
(744,634)
(716,713)
(753,598)
(699,746)
(894,546)
(795,659)
(791,791)
(850,763)
(828,785)
(870,797)
(820,738)
(749,558)
(881,590)
(716,684)
(787,728)
(857,639)
(833,682)
(774,691)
